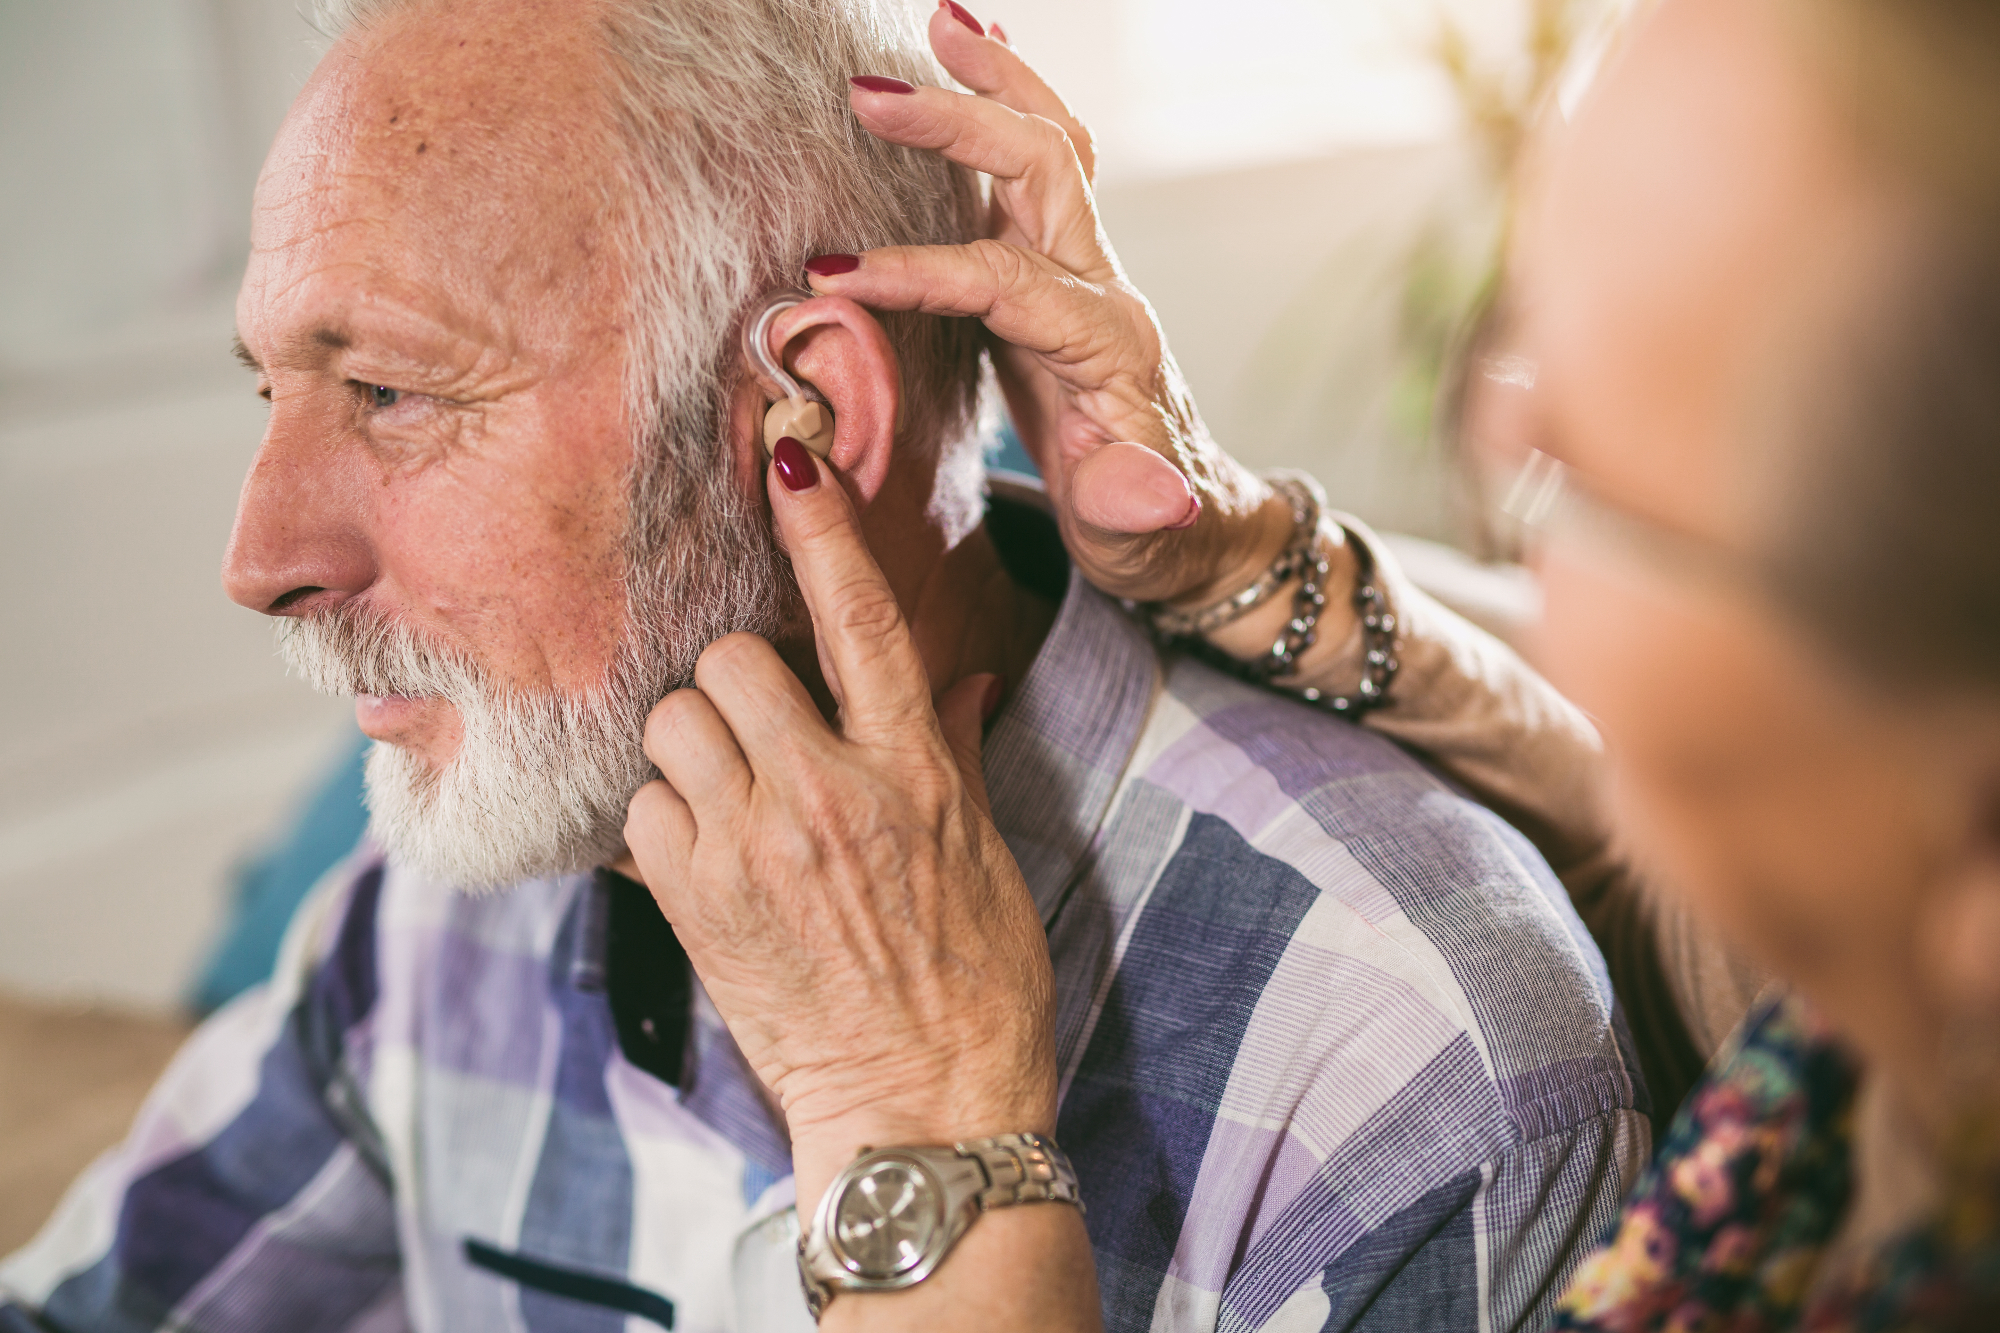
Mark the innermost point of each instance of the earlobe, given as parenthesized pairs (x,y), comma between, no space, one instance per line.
(839,349)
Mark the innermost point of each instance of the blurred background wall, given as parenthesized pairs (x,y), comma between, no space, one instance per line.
(1302,187)
(147,735)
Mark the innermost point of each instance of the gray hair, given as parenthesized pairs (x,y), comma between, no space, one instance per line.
(741,160)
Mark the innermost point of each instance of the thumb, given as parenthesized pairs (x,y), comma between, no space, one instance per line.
(962,714)
(1130,489)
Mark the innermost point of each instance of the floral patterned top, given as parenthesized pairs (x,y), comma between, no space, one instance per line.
(1725,1232)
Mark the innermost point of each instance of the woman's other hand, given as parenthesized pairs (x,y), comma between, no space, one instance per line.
(1150,508)
(858,922)
(840,889)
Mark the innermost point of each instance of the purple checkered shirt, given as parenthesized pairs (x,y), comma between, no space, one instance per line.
(1335,1054)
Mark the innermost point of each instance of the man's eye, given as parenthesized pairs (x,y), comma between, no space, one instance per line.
(381,395)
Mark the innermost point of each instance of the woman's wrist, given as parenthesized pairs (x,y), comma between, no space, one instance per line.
(1255,538)
(1249,637)
(1273,548)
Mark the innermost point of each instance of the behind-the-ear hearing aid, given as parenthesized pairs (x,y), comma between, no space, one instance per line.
(807,421)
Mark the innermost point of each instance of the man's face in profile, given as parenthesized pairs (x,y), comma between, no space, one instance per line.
(433,306)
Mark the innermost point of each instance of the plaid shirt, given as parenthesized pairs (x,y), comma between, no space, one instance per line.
(1335,1053)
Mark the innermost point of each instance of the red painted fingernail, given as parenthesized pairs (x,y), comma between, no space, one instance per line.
(991,702)
(998,34)
(828,266)
(964,15)
(881,83)
(1193,513)
(794,464)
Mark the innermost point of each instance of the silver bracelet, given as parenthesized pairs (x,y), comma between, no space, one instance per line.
(1297,490)
(1305,558)
(1378,636)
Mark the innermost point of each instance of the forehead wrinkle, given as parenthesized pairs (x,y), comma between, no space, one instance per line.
(483,225)
(462,261)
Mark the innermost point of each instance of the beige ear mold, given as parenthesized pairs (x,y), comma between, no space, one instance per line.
(796,415)
(802,419)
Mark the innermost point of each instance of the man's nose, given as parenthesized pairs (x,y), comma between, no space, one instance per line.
(298,544)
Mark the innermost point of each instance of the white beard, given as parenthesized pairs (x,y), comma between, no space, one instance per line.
(541,780)
(538,787)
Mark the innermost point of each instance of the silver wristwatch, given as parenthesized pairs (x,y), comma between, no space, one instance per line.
(892,1215)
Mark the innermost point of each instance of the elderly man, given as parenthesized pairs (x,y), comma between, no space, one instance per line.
(1333,1050)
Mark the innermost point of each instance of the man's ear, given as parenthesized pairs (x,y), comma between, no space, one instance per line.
(839,349)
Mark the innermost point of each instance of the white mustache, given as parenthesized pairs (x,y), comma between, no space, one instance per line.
(541,776)
(355,649)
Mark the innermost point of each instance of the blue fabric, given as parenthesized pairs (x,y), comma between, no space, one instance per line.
(1332,1056)
(269,889)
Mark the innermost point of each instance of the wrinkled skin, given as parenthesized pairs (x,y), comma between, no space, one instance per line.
(414,229)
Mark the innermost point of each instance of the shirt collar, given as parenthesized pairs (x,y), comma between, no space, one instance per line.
(1058,749)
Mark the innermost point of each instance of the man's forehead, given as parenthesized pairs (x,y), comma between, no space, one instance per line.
(420,155)
(503,69)
(476,88)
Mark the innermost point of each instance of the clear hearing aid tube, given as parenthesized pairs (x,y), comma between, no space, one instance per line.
(796,415)
(757,342)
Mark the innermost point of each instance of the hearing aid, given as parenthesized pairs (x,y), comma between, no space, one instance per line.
(805,420)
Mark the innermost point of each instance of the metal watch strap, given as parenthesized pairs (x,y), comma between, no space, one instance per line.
(1022,1168)
(978,1175)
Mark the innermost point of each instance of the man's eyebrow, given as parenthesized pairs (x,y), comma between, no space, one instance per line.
(331,339)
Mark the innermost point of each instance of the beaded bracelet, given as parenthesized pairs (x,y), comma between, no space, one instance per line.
(1305,557)
(1378,636)
(1298,490)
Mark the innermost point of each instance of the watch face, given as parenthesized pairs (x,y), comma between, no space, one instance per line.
(888,1216)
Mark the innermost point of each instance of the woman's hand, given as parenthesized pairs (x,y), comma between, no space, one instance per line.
(849,906)
(1150,508)
(859,923)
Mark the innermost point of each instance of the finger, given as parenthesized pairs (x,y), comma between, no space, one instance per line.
(980,57)
(872,662)
(762,703)
(695,751)
(1131,490)
(962,715)
(1023,298)
(1034,165)
(660,834)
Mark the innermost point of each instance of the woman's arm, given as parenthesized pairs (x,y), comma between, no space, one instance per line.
(1152,509)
